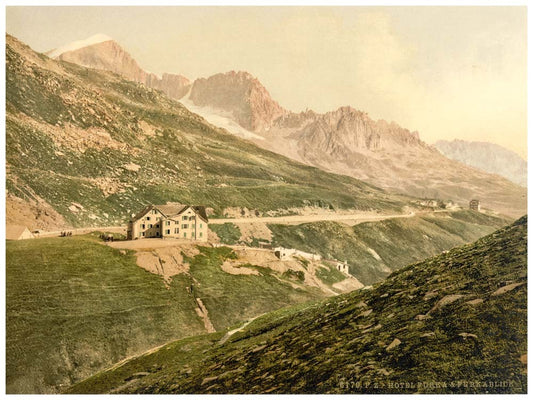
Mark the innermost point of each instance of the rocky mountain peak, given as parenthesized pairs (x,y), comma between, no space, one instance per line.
(348,129)
(79,44)
(241,94)
(102,52)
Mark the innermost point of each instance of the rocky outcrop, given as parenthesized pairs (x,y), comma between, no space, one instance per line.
(173,85)
(488,157)
(345,130)
(240,94)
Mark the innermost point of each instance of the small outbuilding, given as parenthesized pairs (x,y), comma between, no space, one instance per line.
(18,232)
(475,205)
(343,267)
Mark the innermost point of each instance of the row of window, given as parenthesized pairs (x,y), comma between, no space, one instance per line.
(176,231)
(184,218)
(167,232)
(183,226)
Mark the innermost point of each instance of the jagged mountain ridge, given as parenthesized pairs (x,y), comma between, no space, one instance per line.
(337,132)
(431,327)
(347,141)
(240,94)
(488,157)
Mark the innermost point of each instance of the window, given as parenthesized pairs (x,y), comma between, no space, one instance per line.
(193,225)
(167,232)
(201,226)
(176,230)
(143,226)
(201,234)
(142,233)
(157,226)
(157,233)
(150,225)
(154,211)
(184,226)
(176,222)
(167,223)
(184,234)
(184,218)
(148,218)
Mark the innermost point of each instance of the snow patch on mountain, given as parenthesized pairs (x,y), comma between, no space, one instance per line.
(222,119)
(79,44)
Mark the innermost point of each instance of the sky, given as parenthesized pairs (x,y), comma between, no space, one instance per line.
(447,72)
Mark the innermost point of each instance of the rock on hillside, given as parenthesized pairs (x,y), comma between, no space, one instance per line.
(455,323)
(488,157)
(240,94)
(108,55)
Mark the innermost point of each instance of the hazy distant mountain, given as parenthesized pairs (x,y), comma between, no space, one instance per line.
(488,157)
(102,52)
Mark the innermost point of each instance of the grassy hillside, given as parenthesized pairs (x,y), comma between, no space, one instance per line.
(97,148)
(455,323)
(374,249)
(74,306)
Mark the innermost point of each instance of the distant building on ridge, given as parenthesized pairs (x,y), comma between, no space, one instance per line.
(475,205)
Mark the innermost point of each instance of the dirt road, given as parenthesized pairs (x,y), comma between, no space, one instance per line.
(83,231)
(350,219)
(299,219)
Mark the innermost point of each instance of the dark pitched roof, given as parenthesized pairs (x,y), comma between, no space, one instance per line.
(142,213)
(171,209)
(200,210)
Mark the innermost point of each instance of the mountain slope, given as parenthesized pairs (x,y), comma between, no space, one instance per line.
(455,323)
(488,157)
(96,148)
(75,306)
(84,304)
(375,249)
